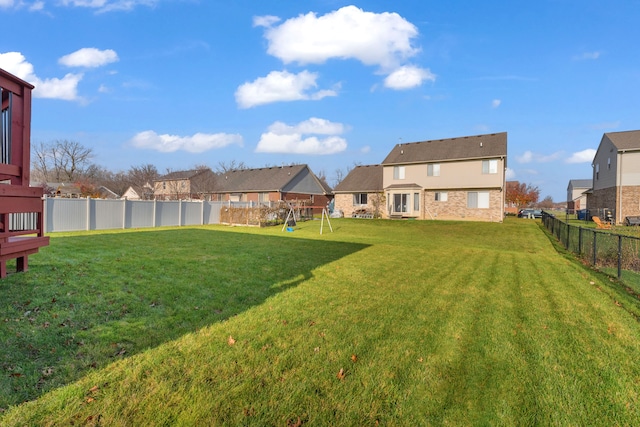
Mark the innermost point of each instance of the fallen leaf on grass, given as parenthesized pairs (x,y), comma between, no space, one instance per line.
(294,423)
(341,374)
(618,304)
(90,399)
(94,389)
(231,340)
(354,358)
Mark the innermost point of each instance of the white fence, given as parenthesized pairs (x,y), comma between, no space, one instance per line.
(98,214)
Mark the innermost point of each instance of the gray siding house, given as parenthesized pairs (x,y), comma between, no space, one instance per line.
(616,175)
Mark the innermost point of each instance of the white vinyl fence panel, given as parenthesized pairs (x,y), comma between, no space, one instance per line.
(97,214)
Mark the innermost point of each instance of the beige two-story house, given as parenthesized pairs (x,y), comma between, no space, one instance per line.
(616,175)
(456,178)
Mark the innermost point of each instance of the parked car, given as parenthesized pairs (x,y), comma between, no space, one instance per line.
(529,213)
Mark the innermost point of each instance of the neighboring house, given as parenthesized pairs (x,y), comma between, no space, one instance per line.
(616,175)
(135,192)
(576,196)
(76,191)
(457,178)
(295,182)
(185,185)
(361,190)
(66,190)
(106,193)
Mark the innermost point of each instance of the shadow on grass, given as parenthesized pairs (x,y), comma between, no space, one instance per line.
(92,299)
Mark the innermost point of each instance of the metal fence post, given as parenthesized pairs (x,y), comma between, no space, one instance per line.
(619,256)
(580,240)
(595,249)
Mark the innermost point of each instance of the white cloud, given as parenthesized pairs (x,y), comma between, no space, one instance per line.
(302,139)
(495,103)
(366,149)
(530,157)
(36,6)
(280,86)
(65,88)
(382,39)
(265,21)
(6,4)
(510,174)
(89,57)
(312,126)
(584,156)
(197,143)
(408,77)
(109,5)
(587,56)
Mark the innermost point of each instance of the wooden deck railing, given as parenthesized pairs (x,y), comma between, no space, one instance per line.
(21,206)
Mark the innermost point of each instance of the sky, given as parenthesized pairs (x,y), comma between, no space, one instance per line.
(331,84)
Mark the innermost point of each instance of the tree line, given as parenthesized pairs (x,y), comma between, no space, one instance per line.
(69,162)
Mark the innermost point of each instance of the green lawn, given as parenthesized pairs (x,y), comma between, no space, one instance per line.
(378,323)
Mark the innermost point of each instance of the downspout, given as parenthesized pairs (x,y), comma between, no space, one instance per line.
(619,213)
(504,188)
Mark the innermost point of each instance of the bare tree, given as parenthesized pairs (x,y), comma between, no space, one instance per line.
(61,160)
(340,174)
(224,167)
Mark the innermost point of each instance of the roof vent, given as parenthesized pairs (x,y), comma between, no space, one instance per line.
(480,144)
(401,151)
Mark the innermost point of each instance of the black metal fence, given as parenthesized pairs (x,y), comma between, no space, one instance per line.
(607,250)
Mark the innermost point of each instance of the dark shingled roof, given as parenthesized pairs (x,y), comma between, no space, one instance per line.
(462,148)
(259,180)
(180,175)
(628,140)
(365,179)
(581,183)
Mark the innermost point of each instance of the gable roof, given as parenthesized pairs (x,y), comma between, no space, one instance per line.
(462,148)
(627,140)
(275,178)
(580,183)
(365,179)
(179,175)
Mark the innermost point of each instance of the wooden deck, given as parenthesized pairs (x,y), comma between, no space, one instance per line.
(21,225)
(21,206)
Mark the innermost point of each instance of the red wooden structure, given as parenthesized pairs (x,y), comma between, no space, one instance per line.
(21,206)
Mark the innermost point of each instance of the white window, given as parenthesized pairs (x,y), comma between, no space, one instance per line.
(609,163)
(442,196)
(416,202)
(433,169)
(359,199)
(478,199)
(263,197)
(490,166)
(597,170)
(398,172)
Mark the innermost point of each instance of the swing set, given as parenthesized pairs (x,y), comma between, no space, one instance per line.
(291,216)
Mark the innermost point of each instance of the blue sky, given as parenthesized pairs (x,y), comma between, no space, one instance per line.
(179,83)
